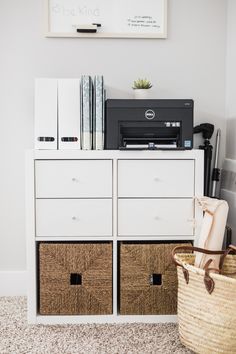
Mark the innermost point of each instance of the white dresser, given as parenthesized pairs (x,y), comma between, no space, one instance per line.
(108,196)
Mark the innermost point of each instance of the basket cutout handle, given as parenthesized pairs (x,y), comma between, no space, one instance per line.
(75,279)
(155,279)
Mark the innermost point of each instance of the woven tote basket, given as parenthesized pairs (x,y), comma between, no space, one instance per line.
(207,303)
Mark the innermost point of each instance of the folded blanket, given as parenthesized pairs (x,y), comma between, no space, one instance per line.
(213,229)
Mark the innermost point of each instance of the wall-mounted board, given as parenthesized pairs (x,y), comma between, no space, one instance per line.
(118,18)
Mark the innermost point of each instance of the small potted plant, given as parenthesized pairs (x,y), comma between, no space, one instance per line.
(142,88)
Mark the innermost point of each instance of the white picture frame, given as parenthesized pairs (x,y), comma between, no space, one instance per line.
(61,18)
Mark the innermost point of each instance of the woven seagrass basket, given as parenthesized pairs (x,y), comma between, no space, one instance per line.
(207,315)
(148,279)
(75,278)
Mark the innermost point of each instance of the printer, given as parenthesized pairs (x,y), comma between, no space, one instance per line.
(140,124)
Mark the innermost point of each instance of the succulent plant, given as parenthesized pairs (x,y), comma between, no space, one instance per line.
(142,84)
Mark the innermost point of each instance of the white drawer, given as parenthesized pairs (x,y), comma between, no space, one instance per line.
(73,217)
(73,178)
(154,217)
(156,178)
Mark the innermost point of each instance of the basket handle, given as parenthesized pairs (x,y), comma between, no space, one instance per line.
(196,249)
(231,248)
(223,254)
(208,281)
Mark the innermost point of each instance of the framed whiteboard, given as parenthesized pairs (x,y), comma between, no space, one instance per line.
(118,18)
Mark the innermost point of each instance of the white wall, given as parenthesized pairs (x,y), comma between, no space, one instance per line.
(228,192)
(189,64)
(231,81)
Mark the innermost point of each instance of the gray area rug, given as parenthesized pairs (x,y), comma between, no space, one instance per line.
(16,336)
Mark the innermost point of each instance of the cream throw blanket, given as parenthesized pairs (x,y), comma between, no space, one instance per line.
(212,231)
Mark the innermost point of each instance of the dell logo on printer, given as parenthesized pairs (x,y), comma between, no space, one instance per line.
(150,114)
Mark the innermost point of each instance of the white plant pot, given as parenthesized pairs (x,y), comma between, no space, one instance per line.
(142,93)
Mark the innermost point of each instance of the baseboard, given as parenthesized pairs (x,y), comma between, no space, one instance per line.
(13,283)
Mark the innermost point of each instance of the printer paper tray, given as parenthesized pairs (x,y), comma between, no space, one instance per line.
(147,148)
(147,143)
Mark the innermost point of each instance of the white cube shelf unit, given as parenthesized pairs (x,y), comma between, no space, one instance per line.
(110,197)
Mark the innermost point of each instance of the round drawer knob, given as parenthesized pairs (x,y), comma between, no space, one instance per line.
(75,179)
(156,179)
(74,218)
(193,221)
(157,218)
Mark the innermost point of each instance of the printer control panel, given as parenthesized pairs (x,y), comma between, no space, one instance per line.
(172,124)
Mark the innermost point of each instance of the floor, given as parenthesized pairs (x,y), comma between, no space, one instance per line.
(17,337)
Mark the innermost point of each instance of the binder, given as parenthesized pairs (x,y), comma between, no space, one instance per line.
(86,111)
(103,117)
(45,113)
(69,114)
(98,114)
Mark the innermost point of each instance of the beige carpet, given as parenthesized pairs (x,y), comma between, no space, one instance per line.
(18,337)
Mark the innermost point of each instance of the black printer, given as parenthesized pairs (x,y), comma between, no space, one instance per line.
(149,124)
